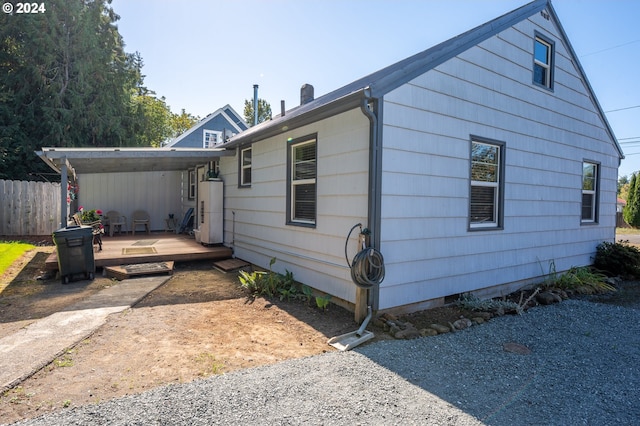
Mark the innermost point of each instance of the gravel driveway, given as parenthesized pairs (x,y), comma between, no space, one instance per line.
(583,369)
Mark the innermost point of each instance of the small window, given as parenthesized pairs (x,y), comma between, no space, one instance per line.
(245,167)
(486,198)
(192,184)
(589,192)
(301,188)
(543,62)
(211,138)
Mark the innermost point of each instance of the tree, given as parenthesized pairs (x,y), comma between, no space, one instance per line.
(182,122)
(623,186)
(152,120)
(65,81)
(264,111)
(631,212)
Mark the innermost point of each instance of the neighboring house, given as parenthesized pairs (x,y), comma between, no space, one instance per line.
(620,203)
(478,165)
(212,130)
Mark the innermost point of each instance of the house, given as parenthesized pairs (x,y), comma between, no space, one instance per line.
(212,130)
(477,165)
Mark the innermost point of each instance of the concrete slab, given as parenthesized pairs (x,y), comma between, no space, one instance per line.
(33,347)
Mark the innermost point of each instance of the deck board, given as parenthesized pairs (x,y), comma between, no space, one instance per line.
(168,247)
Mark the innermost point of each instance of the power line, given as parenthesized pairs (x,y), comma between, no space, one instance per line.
(623,109)
(611,48)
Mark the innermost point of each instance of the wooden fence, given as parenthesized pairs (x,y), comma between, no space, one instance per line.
(29,208)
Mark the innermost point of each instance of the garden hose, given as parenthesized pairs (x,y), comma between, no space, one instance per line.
(367,267)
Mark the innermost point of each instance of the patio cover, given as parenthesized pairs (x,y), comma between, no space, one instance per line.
(72,161)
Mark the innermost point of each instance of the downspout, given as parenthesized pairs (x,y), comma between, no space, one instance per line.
(371,108)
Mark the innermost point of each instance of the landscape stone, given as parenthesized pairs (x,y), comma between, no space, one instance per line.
(425,332)
(462,323)
(441,329)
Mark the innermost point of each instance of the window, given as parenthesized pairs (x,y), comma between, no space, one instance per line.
(301,177)
(543,62)
(589,192)
(192,184)
(211,138)
(486,199)
(245,167)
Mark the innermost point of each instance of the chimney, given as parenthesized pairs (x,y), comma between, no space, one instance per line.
(282,108)
(306,94)
(255,104)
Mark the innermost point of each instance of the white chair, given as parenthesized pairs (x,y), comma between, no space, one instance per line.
(116,220)
(140,218)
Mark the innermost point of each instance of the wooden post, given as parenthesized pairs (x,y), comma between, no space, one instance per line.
(362,302)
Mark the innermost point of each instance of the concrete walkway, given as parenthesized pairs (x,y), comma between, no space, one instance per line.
(28,350)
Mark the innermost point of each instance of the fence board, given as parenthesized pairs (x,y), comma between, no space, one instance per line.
(29,208)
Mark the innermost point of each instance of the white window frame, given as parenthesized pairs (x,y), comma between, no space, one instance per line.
(293,183)
(547,66)
(590,191)
(192,184)
(209,136)
(497,186)
(246,166)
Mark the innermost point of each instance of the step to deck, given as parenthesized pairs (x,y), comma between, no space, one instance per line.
(123,272)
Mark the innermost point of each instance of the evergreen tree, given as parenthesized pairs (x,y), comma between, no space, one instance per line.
(631,212)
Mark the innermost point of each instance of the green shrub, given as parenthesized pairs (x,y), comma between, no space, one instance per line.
(270,284)
(619,258)
(582,280)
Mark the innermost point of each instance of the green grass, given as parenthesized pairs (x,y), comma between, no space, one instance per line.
(9,252)
(627,231)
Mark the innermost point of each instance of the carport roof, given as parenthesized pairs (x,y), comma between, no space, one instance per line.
(110,160)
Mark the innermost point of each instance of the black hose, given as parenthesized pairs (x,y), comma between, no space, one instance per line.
(367,267)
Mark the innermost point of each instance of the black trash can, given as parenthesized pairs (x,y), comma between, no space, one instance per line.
(74,245)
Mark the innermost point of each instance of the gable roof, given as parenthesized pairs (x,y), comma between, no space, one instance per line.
(227,112)
(381,82)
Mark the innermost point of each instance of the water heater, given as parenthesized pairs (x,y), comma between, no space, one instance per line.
(210,220)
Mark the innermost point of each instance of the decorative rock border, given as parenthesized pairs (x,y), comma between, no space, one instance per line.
(399,329)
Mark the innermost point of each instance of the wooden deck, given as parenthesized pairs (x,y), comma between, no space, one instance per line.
(144,248)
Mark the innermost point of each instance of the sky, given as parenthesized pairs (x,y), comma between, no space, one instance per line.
(204,54)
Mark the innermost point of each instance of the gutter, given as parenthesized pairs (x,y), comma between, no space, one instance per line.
(371,107)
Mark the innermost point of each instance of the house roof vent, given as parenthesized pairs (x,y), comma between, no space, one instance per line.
(306,94)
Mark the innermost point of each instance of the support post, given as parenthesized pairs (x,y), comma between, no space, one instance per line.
(64,181)
(362,302)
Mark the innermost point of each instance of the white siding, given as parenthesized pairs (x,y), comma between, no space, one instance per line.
(255,217)
(156,192)
(487,91)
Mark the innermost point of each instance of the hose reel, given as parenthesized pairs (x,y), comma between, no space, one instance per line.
(367,266)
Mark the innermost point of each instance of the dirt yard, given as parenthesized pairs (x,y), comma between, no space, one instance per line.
(197,324)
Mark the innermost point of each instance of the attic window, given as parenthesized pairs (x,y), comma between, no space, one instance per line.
(211,138)
(543,62)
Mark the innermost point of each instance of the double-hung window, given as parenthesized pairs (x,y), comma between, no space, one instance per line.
(589,192)
(543,62)
(487,177)
(245,167)
(301,178)
(211,138)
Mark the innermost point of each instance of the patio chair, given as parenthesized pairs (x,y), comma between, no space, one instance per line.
(140,218)
(116,221)
(96,229)
(187,222)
